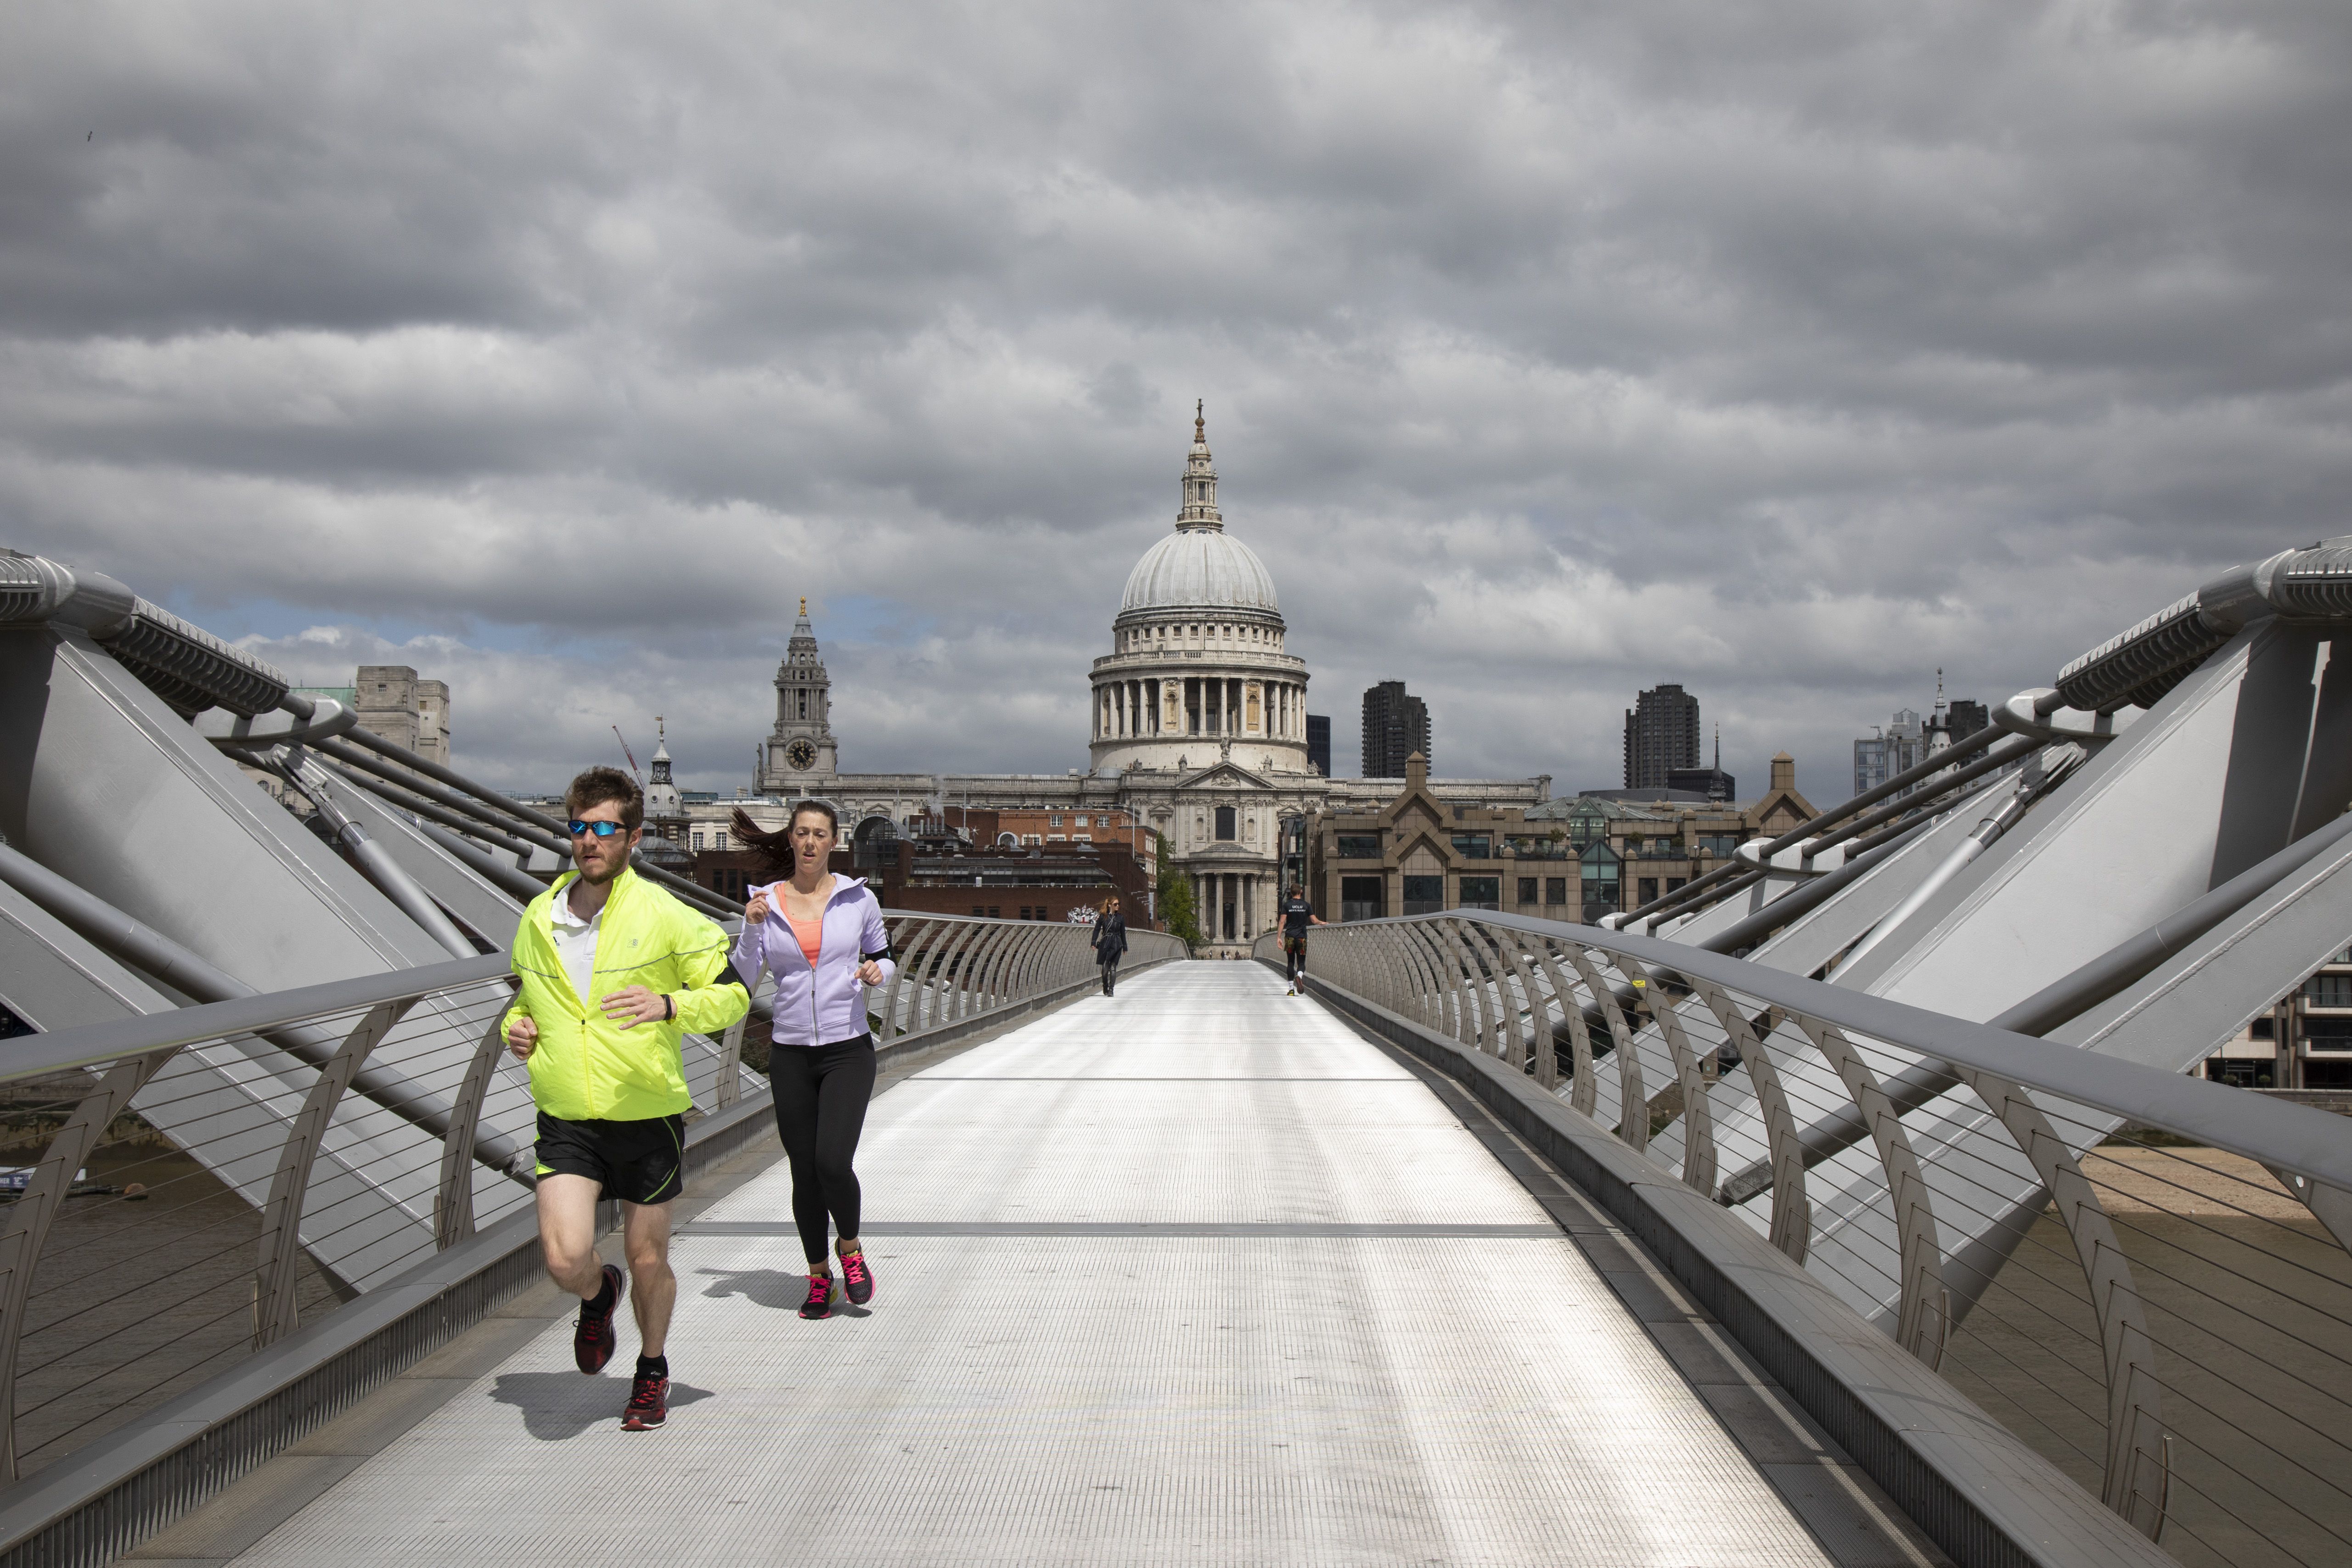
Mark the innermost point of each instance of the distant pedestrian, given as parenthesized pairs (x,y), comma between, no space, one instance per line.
(613,969)
(821,937)
(1297,914)
(1110,942)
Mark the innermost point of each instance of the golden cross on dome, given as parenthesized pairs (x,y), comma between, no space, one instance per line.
(1200,424)
(804,606)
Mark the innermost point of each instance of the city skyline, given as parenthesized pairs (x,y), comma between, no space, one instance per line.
(1787,356)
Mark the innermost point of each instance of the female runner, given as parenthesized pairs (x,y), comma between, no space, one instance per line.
(821,937)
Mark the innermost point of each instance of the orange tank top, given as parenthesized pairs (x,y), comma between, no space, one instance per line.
(809,934)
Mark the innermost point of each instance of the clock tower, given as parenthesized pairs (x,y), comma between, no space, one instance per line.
(798,756)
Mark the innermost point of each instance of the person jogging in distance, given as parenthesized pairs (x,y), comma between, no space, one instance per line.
(613,969)
(1297,914)
(1111,941)
(821,937)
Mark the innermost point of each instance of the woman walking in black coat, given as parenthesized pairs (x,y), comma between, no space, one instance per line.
(1111,941)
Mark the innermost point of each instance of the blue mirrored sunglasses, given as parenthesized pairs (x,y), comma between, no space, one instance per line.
(602,830)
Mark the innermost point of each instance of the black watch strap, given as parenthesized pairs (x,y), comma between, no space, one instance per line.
(671,1002)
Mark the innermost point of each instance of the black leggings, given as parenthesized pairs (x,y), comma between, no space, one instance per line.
(820,1094)
(1110,971)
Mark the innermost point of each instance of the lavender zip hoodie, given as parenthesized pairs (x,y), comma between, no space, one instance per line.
(825,1004)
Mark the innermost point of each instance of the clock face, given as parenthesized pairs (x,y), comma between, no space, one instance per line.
(801,754)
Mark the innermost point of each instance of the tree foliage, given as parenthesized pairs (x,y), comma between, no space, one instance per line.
(1175,897)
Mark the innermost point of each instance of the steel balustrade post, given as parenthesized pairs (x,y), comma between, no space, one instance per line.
(1632,1104)
(1373,952)
(1460,976)
(947,981)
(988,965)
(1544,1061)
(1420,975)
(1478,966)
(1005,980)
(275,1310)
(907,953)
(2136,1466)
(1012,971)
(1444,995)
(1920,1326)
(1008,959)
(1035,954)
(1500,1017)
(1792,1212)
(1698,1114)
(1487,983)
(1034,957)
(1524,1053)
(1585,1087)
(955,979)
(1371,966)
(729,1087)
(26,1230)
(453,1197)
(1055,947)
(1431,1001)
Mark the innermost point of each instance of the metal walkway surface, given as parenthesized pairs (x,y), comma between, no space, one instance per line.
(1191,1274)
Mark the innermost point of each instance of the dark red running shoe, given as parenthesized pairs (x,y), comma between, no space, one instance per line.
(592,1337)
(648,1403)
(820,1296)
(856,1278)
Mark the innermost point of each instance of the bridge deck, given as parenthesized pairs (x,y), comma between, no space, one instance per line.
(1188,1275)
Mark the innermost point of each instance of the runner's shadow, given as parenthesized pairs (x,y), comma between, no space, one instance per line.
(560,1406)
(770,1288)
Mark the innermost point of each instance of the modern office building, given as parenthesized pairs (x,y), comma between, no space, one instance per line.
(1396,726)
(1878,757)
(1662,733)
(1319,743)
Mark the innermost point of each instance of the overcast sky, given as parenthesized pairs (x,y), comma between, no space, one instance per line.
(1789,352)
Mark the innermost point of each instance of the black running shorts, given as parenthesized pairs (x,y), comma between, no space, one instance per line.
(636,1161)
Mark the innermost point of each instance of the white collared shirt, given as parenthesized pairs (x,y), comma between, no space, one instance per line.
(575,940)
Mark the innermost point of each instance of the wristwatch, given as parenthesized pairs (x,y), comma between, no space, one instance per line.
(671,1003)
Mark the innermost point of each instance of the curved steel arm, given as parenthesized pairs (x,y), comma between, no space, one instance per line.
(1922,1326)
(1632,1104)
(276,1313)
(28,1224)
(2136,1462)
(1697,1115)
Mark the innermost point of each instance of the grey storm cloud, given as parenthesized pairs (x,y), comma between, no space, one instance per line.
(1789,353)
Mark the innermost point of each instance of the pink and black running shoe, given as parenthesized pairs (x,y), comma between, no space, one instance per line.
(857,1277)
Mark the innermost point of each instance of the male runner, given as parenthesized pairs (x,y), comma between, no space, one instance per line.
(613,969)
(1297,914)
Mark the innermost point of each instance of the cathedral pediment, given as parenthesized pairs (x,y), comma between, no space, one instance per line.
(1224,776)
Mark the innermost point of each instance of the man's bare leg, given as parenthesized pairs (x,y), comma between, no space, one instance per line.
(653,1287)
(567,1234)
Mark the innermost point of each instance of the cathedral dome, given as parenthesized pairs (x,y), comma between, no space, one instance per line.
(1198,566)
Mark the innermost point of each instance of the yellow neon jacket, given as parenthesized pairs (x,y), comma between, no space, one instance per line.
(587,1067)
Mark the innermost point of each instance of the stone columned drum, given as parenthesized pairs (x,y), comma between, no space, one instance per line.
(1197,671)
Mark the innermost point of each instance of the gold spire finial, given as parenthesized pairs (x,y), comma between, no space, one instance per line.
(804,606)
(1200,423)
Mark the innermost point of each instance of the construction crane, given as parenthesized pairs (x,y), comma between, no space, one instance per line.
(632,755)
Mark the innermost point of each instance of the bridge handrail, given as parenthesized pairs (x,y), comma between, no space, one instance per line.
(293,1058)
(2310,1143)
(2015,1130)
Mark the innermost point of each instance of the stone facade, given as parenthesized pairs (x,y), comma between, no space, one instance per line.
(397,706)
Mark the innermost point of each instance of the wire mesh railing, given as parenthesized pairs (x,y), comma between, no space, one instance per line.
(2142,1276)
(178,1191)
